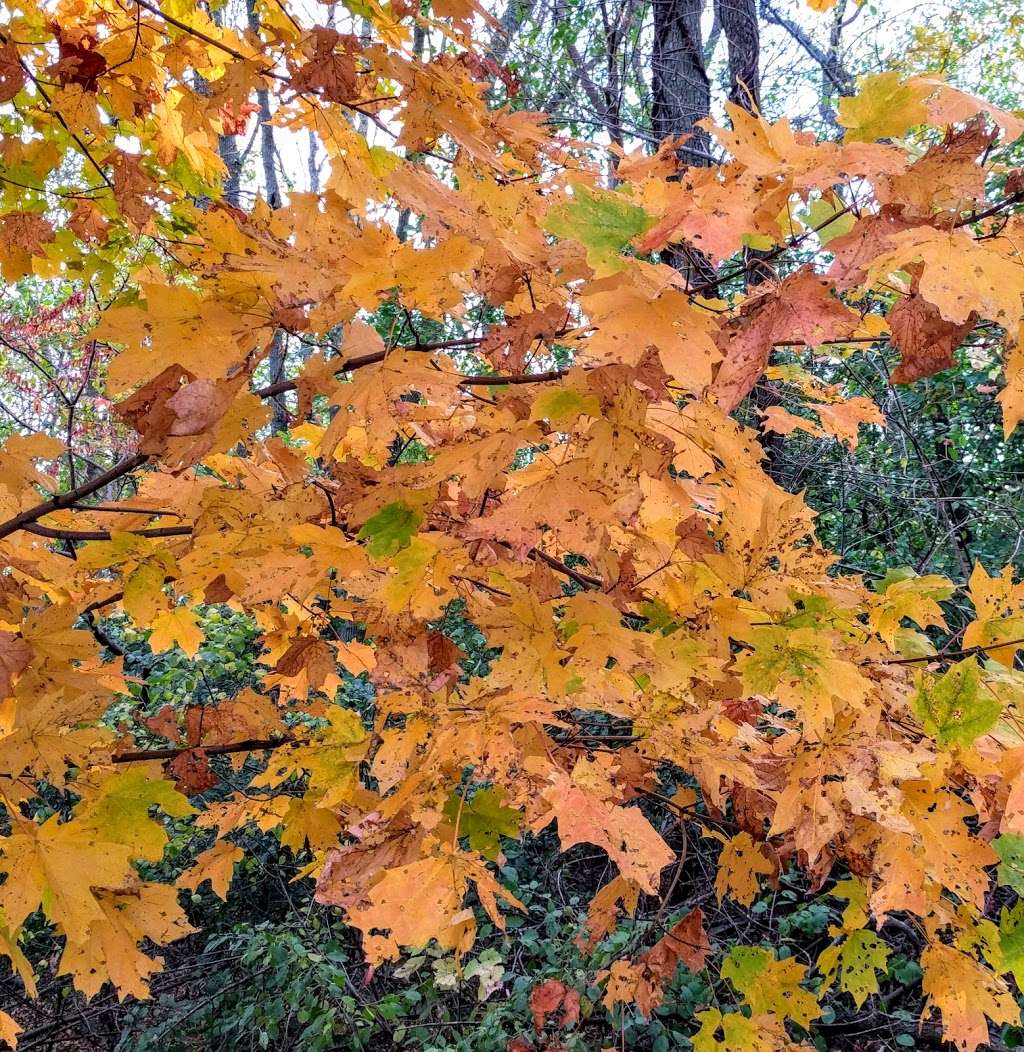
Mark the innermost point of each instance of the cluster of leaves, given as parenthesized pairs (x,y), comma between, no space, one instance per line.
(528,579)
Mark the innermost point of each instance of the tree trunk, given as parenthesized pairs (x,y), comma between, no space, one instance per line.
(680,89)
(743,39)
(738,19)
(277,359)
(680,97)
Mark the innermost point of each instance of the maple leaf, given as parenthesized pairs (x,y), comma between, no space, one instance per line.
(331,757)
(173,320)
(999,604)
(178,626)
(553,996)
(949,105)
(1010,849)
(564,405)
(12,75)
(884,107)
(391,529)
(829,220)
(483,820)
(25,235)
(119,813)
(959,276)
(965,993)
(603,221)
(855,960)
(17,470)
(413,904)
(902,594)
(800,309)
(925,340)
(799,668)
(771,985)
(947,177)
(217,865)
(632,843)
(603,910)
(44,866)
(330,71)
(957,707)
(686,941)
(843,419)
(740,1033)
(15,655)
(739,865)
(129,916)
(644,979)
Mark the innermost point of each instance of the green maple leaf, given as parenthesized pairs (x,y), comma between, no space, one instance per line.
(391,529)
(771,985)
(957,707)
(1010,849)
(603,221)
(820,216)
(119,814)
(564,405)
(855,960)
(1011,940)
(484,820)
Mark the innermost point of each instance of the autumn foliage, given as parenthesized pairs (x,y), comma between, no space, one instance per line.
(583,491)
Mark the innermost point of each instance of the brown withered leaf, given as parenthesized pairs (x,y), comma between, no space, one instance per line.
(198,405)
(442,652)
(507,347)
(855,251)
(191,772)
(164,723)
(249,715)
(694,539)
(27,231)
(686,942)
(88,223)
(15,655)
(643,981)
(79,60)
(800,309)
(311,655)
(925,340)
(947,177)
(147,410)
(135,190)
(331,69)
(12,73)
(553,996)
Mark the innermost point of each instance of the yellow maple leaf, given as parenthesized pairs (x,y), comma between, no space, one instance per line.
(740,863)
(177,626)
(884,107)
(966,994)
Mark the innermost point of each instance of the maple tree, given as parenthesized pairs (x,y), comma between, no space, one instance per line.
(580,487)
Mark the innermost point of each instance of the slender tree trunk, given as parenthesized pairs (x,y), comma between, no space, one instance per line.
(836,79)
(227,147)
(743,40)
(738,19)
(680,97)
(277,360)
(680,89)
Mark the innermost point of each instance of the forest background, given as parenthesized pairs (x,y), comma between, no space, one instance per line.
(923,484)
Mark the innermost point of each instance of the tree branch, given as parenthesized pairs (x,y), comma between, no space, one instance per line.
(104,535)
(72,496)
(249,745)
